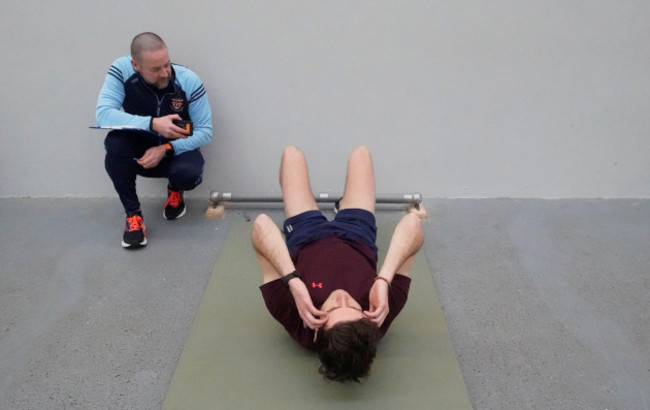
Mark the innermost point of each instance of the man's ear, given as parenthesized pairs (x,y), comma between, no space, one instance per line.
(135,65)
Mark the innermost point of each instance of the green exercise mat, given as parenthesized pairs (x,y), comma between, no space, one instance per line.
(238,357)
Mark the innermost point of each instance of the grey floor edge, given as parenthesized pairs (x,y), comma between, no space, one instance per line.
(546,301)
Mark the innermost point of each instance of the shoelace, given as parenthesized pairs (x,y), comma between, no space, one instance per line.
(174,199)
(135,223)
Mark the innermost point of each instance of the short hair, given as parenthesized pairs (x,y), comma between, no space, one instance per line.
(145,42)
(347,349)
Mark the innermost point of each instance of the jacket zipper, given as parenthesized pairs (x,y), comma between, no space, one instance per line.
(159,101)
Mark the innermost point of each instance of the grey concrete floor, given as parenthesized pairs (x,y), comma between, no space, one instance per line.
(546,301)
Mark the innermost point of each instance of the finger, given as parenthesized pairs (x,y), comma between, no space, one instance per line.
(310,321)
(378,319)
(317,322)
(312,325)
(317,312)
(377,311)
(374,310)
(174,134)
(375,320)
(178,131)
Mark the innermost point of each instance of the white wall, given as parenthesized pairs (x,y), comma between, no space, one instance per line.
(455,98)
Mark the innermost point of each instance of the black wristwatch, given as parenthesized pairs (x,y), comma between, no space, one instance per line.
(169,150)
(287,278)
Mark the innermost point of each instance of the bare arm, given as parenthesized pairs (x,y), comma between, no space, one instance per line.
(276,262)
(406,241)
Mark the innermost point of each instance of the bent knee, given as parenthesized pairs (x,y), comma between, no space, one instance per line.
(187,181)
(116,144)
(361,150)
(413,221)
(261,220)
(292,152)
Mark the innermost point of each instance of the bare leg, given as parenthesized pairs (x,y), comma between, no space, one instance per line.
(294,180)
(360,181)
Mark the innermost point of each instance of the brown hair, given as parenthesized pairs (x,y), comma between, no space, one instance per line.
(347,350)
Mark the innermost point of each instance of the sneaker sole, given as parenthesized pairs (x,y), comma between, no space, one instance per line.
(179,215)
(134,245)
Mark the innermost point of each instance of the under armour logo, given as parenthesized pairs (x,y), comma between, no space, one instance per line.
(319,285)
